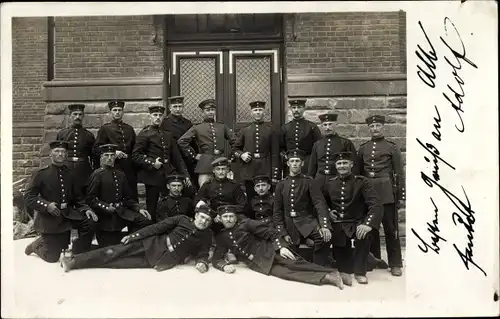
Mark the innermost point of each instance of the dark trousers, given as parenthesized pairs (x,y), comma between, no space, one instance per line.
(250,192)
(108,238)
(392,243)
(321,249)
(49,246)
(152,196)
(132,255)
(299,270)
(353,260)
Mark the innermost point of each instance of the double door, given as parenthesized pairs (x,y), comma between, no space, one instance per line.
(233,76)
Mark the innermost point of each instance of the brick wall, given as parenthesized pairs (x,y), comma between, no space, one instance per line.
(29,68)
(27,142)
(345,42)
(107,46)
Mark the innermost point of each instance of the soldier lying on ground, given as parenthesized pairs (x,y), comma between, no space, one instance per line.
(160,246)
(257,245)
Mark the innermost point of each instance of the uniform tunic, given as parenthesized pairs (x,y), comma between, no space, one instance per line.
(109,187)
(149,248)
(154,142)
(258,245)
(322,155)
(262,208)
(222,192)
(299,134)
(171,206)
(122,135)
(381,158)
(210,138)
(353,198)
(81,159)
(299,207)
(262,142)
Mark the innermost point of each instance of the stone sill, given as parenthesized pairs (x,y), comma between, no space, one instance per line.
(344,77)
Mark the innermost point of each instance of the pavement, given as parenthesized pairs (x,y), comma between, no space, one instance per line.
(44,290)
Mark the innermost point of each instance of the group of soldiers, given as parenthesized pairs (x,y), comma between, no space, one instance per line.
(296,185)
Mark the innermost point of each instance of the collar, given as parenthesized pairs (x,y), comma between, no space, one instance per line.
(174,197)
(210,120)
(378,138)
(258,122)
(333,135)
(346,177)
(117,121)
(76,125)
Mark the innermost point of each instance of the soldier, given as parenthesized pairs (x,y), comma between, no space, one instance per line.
(175,203)
(80,159)
(258,245)
(109,195)
(299,133)
(257,145)
(123,135)
(300,210)
(210,138)
(177,124)
(157,155)
(356,210)
(160,246)
(383,165)
(59,206)
(262,204)
(321,163)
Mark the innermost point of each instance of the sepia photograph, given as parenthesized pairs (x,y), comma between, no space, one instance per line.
(232,157)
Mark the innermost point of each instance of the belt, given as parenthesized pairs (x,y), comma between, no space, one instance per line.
(169,245)
(165,161)
(63,205)
(75,159)
(260,217)
(375,175)
(218,152)
(327,172)
(259,155)
(116,204)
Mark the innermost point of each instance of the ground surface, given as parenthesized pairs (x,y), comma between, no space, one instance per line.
(43,290)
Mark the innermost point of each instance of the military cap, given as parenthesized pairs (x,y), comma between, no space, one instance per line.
(175,100)
(257,104)
(296,153)
(108,148)
(209,103)
(299,102)
(375,119)
(76,107)
(261,179)
(58,143)
(328,117)
(343,156)
(220,161)
(156,108)
(116,103)
(175,178)
(205,210)
(224,209)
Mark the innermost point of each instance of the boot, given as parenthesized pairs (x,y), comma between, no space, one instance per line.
(396,271)
(67,263)
(334,279)
(29,249)
(231,258)
(346,278)
(361,279)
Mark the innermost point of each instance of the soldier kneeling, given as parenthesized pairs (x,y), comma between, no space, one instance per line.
(160,246)
(264,250)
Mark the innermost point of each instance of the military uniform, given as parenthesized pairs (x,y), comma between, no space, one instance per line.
(152,143)
(210,138)
(171,206)
(80,159)
(321,163)
(354,202)
(123,135)
(258,246)
(107,187)
(261,206)
(299,134)
(261,140)
(160,246)
(300,211)
(178,125)
(56,184)
(381,158)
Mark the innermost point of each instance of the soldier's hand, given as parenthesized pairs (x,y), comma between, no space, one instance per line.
(91,215)
(286,253)
(53,210)
(157,163)
(202,267)
(246,157)
(125,240)
(333,215)
(111,209)
(402,203)
(274,181)
(217,219)
(288,239)
(201,203)
(362,231)
(187,181)
(229,269)
(145,213)
(326,234)
(120,154)
(197,157)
